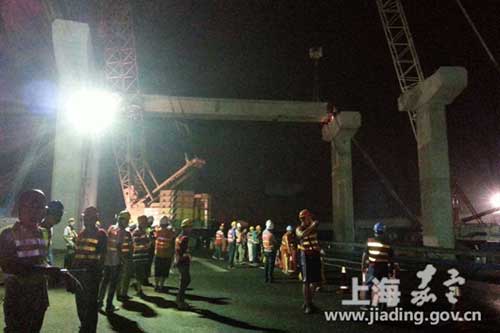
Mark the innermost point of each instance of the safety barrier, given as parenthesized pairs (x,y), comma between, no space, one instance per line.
(349,254)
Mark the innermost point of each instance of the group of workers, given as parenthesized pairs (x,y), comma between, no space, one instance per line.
(243,246)
(300,252)
(98,263)
(101,263)
(298,249)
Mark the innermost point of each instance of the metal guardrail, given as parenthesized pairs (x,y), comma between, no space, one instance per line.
(349,254)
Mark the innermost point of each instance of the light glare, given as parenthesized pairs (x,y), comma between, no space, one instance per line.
(495,200)
(91,111)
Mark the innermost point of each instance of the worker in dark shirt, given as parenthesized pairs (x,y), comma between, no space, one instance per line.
(183,261)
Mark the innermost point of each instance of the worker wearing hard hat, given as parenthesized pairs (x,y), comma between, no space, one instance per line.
(270,247)
(231,241)
(151,252)
(251,244)
(140,254)
(309,247)
(219,239)
(118,250)
(258,244)
(376,262)
(23,252)
(183,261)
(288,251)
(240,243)
(164,252)
(55,211)
(88,264)
(69,236)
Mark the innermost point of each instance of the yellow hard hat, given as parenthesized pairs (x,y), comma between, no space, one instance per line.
(234,223)
(186,223)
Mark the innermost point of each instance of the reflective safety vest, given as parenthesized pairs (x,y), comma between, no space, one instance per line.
(127,244)
(86,246)
(239,236)
(286,242)
(230,236)
(309,244)
(268,241)
(219,237)
(378,252)
(141,245)
(113,233)
(164,244)
(30,246)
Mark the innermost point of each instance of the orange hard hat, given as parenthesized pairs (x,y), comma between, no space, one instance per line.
(304,213)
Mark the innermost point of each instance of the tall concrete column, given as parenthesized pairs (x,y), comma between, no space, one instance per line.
(73,55)
(429,99)
(342,129)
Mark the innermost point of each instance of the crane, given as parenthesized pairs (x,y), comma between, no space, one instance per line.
(121,73)
(403,52)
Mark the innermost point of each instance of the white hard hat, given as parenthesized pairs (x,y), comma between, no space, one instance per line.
(269,224)
(238,225)
(289,228)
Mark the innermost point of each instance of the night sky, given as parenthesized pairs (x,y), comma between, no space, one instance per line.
(259,50)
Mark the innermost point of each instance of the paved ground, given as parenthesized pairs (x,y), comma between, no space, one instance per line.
(239,301)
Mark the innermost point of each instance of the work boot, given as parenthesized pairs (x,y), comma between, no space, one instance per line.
(111,309)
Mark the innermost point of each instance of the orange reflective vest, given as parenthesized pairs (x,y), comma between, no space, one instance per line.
(268,241)
(164,243)
(219,237)
(287,242)
(141,245)
(113,235)
(86,247)
(309,244)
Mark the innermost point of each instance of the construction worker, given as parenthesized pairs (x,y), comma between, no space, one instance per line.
(239,246)
(251,245)
(287,251)
(55,211)
(164,252)
(140,254)
(117,247)
(219,238)
(270,247)
(70,236)
(310,258)
(231,241)
(377,259)
(258,244)
(23,253)
(90,250)
(151,252)
(127,263)
(183,261)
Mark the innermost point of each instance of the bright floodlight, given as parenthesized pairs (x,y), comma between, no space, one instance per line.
(91,111)
(495,200)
